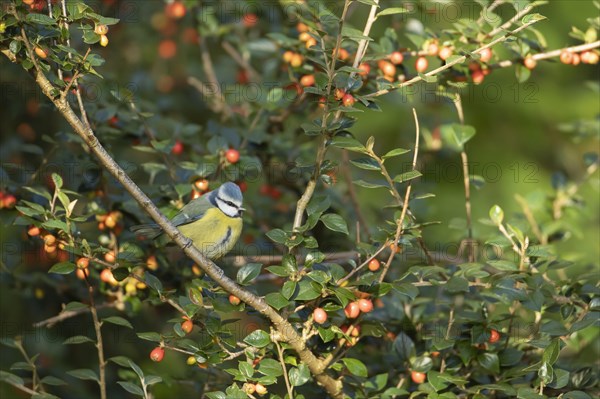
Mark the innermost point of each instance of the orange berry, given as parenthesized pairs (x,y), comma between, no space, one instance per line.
(343,54)
(110,257)
(387,68)
(421,64)
(201,185)
(107,276)
(396,57)
(301,27)
(232,155)
(311,42)
(175,10)
(307,80)
(352,310)
(234,300)
(49,240)
(339,93)
(486,55)
(374,265)
(418,377)
(445,52)
(40,52)
(296,60)
(167,49)
(348,100)
(157,354)
(187,326)
(576,59)
(365,305)
(494,336)
(529,62)
(151,262)
(319,315)
(82,273)
(589,57)
(365,69)
(433,48)
(82,263)
(477,76)
(33,231)
(249,20)
(287,56)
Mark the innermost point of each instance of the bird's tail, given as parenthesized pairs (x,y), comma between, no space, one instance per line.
(147,231)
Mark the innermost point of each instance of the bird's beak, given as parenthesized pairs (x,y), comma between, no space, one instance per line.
(242,209)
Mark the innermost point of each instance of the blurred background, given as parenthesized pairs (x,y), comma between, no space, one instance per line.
(528,135)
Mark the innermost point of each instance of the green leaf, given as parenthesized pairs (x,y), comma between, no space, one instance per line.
(335,222)
(366,163)
(118,321)
(463,133)
(11,378)
(71,306)
(258,339)
(121,360)
(404,346)
(457,284)
(367,184)
(546,373)
(532,18)
(404,177)
(299,376)
(62,268)
(355,366)
(489,361)
(277,235)
(551,352)
(150,336)
(394,153)
(41,19)
(78,339)
(276,300)
(391,11)
(248,273)
(270,367)
(348,143)
(50,380)
(496,215)
(153,282)
(84,374)
(288,289)
(58,181)
(152,379)
(503,265)
(131,388)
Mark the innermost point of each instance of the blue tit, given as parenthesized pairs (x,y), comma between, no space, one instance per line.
(213,222)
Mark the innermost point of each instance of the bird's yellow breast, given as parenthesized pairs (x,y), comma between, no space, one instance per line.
(214,234)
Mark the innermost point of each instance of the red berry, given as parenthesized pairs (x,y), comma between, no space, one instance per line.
(421,64)
(486,55)
(177,148)
(418,377)
(234,300)
(187,326)
(374,265)
(477,76)
(242,185)
(232,155)
(175,10)
(352,310)
(348,100)
(320,315)
(250,19)
(396,57)
(339,93)
(494,336)
(157,354)
(566,57)
(9,201)
(589,57)
(576,59)
(365,305)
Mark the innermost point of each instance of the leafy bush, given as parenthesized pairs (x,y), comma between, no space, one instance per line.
(322,297)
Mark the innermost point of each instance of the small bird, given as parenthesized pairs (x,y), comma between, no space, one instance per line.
(213,222)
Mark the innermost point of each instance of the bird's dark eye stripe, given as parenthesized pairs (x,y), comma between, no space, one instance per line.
(231,204)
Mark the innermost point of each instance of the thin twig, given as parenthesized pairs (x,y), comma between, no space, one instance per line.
(288,386)
(233,53)
(62,316)
(99,342)
(400,221)
(511,21)
(466,181)
(447,336)
(543,239)
(488,9)
(353,197)
(549,54)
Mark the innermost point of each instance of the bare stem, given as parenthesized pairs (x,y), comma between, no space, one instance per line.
(400,221)
(466,181)
(99,342)
(288,386)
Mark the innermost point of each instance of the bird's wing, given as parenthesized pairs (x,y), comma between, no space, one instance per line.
(193,210)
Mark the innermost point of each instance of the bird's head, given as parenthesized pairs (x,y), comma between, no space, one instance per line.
(229,200)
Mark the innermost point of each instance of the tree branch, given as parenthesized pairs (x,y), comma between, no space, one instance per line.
(287,331)
(450,64)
